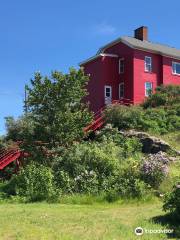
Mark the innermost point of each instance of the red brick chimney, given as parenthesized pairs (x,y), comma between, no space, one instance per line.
(141,33)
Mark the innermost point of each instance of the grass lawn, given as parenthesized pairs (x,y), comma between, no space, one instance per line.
(67,221)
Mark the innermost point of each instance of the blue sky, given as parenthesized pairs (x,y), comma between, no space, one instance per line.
(45,35)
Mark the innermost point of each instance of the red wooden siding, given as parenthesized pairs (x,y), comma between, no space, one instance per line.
(168,76)
(123,51)
(140,76)
(104,70)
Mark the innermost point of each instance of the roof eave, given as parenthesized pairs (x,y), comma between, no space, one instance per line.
(89,60)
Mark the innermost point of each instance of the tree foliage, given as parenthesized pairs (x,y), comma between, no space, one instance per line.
(56,112)
(19,129)
(56,106)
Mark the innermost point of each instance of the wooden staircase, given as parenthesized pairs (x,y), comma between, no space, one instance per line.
(9,156)
(99,120)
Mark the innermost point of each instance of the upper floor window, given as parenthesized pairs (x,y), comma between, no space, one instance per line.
(148,64)
(176,68)
(121,65)
(148,89)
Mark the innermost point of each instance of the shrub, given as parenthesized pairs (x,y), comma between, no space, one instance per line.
(172,202)
(35,182)
(165,95)
(154,169)
(86,182)
(89,156)
(124,117)
(155,120)
(129,146)
(176,108)
(64,182)
(109,133)
(112,195)
(9,187)
(92,167)
(128,183)
(173,119)
(131,187)
(159,120)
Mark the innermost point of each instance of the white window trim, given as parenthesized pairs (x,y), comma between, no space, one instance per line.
(146,95)
(121,59)
(105,87)
(175,73)
(120,84)
(145,69)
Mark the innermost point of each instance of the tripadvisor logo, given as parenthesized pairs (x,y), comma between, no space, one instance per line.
(139,231)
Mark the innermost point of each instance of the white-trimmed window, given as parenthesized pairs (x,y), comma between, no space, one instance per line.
(148,89)
(121,90)
(121,65)
(148,64)
(176,68)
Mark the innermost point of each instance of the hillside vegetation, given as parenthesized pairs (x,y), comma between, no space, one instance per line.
(63,165)
(159,114)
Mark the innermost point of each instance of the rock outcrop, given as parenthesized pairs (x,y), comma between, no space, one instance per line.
(150,143)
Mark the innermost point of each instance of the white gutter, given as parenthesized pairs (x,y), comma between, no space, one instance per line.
(97,56)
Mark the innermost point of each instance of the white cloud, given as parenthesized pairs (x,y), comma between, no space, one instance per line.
(104,29)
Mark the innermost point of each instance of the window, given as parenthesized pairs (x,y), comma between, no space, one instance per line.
(121,65)
(176,68)
(108,91)
(148,64)
(148,89)
(121,90)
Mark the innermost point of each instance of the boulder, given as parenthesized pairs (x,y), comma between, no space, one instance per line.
(150,143)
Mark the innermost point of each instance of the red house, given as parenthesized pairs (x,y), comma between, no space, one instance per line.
(129,68)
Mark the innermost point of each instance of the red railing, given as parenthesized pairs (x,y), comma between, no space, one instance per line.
(98,121)
(6,157)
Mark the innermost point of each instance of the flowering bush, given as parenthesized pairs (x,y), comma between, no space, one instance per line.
(93,167)
(154,169)
(85,167)
(86,182)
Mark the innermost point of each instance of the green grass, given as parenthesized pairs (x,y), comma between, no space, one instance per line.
(172,178)
(78,222)
(172,138)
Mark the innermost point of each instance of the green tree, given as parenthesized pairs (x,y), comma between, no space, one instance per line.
(56,106)
(19,129)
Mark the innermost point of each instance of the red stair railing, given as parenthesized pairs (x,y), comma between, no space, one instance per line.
(98,121)
(8,157)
